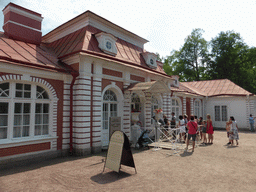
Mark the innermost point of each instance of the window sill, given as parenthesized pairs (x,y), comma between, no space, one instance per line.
(28,141)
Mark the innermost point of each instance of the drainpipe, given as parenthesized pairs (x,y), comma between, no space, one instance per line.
(74,75)
(91,108)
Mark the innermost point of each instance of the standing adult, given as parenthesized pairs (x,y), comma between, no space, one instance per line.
(181,125)
(200,122)
(233,133)
(186,124)
(173,120)
(166,124)
(192,129)
(196,120)
(209,129)
(251,121)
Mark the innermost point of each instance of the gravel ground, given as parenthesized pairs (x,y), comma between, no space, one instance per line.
(214,167)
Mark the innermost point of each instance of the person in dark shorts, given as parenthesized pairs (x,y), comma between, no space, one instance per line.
(173,124)
(203,128)
(166,124)
(186,123)
(192,129)
(173,120)
(200,122)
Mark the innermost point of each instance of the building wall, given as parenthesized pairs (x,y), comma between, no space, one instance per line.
(236,107)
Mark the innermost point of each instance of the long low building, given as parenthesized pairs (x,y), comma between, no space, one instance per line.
(67,91)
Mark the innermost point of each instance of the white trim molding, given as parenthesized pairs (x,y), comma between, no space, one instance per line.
(23,13)
(27,77)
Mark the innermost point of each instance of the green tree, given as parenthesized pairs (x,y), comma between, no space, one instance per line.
(190,61)
(226,51)
(231,58)
(169,66)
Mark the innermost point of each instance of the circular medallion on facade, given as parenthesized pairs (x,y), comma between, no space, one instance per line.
(108,45)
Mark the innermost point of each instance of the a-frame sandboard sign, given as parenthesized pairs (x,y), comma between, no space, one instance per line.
(119,152)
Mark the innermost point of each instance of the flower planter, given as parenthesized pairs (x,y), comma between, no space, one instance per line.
(158,116)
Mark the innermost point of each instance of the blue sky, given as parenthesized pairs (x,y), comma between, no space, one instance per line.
(165,23)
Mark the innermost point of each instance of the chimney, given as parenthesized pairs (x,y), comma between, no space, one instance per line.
(22,24)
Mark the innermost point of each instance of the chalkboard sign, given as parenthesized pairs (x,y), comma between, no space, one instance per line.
(119,152)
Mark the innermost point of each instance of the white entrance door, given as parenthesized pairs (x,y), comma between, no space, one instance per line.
(109,109)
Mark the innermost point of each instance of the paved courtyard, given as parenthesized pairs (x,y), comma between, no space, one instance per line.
(210,168)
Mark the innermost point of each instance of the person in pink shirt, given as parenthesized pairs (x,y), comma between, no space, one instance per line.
(192,129)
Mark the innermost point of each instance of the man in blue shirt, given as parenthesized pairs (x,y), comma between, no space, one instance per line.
(251,121)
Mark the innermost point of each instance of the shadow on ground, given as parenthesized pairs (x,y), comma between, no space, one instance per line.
(28,165)
(186,154)
(109,177)
(37,163)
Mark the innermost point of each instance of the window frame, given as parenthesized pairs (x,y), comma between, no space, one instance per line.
(177,106)
(33,100)
(221,115)
(154,105)
(108,113)
(135,102)
(199,107)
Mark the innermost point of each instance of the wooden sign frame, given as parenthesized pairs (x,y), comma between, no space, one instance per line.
(119,152)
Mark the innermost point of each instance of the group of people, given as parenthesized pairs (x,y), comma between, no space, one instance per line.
(194,127)
(198,128)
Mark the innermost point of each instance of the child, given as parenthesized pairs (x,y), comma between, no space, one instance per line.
(209,129)
(204,133)
(228,124)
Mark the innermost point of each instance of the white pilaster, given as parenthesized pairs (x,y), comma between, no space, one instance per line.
(127,114)
(126,76)
(192,106)
(147,110)
(165,104)
(66,114)
(184,105)
(169,105)
(97,105)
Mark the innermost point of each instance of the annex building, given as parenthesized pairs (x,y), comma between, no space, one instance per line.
(59,91)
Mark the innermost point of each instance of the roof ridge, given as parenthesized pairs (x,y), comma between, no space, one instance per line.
(215,87)
(193,89)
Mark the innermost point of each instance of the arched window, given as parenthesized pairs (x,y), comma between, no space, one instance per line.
(24,111)
(135,103)
(109,108)
(109,96)
(175,107)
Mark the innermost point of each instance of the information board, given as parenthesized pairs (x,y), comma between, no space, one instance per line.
(119,152)
(115,150)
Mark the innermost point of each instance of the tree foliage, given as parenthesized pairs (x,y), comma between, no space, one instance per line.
(190,61)
(231,59)
(225,57)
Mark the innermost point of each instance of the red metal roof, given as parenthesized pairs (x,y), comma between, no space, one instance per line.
(216,88)
(84,40)
(31,55)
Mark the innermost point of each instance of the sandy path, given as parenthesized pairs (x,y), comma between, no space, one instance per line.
(211,168)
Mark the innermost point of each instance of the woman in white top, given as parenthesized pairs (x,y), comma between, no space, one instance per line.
(233,132)
(182,127)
